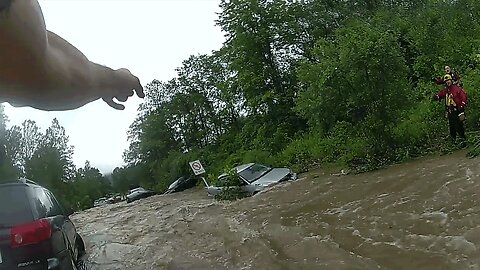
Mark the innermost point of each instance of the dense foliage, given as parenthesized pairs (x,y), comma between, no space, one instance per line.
(296,83)
(46,158)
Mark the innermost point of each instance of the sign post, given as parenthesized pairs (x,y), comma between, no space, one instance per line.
(198,169)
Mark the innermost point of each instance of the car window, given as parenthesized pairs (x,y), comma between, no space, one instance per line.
(254,172)
(136,190)
(133,190)
(45,204)
(14,206)
(56,208)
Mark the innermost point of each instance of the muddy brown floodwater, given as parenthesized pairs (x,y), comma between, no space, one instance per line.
(424,214)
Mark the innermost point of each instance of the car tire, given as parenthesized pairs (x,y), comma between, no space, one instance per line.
(82,266)
(70,263)
(80,244)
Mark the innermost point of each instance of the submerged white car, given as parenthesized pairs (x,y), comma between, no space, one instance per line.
(254,178)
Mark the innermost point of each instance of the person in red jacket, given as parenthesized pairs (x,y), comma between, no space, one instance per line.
(455,102)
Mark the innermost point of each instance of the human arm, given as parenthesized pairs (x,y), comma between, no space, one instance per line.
(89,81)
(438,80)
(42,70)
(440,95)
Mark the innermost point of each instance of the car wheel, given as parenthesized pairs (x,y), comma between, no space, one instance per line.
(80,247)
(82,266)
(70,263)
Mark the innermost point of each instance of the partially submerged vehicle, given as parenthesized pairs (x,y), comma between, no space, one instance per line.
(253,177)
(138,193)
(181,184)
(100,201)
(116,198)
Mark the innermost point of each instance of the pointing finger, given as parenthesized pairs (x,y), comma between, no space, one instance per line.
(140,92)
(139,89)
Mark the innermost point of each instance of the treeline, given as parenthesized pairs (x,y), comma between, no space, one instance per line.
(299,83)
(46,158)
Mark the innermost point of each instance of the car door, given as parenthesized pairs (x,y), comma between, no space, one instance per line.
(47,206)
(66,224)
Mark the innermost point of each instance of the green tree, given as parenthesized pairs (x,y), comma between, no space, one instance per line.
(56,138)
(6,164)
(22,142)
(361,78)
(129,177)
(51,164)
(87,185)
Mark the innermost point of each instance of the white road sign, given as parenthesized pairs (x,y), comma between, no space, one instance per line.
(197,167)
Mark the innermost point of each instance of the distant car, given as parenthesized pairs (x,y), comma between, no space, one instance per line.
(181,184)
(35,231)
(100,201)
(254,177)
(114,199)
(138,193)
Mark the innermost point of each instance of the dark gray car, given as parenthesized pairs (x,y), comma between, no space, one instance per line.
(181,184)
(255,177)
(138,193)
(36,233)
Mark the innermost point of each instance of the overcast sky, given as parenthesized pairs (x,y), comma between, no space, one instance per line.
(149,37)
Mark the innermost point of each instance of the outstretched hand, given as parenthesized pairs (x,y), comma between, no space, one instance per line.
(123,87)
(42,70)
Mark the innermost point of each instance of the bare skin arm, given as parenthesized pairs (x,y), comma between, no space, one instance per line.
(40,69)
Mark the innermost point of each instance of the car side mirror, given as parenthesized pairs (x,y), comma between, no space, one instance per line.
(69,211)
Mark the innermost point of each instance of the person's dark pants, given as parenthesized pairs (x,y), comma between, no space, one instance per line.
(5,4)
(455,125)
